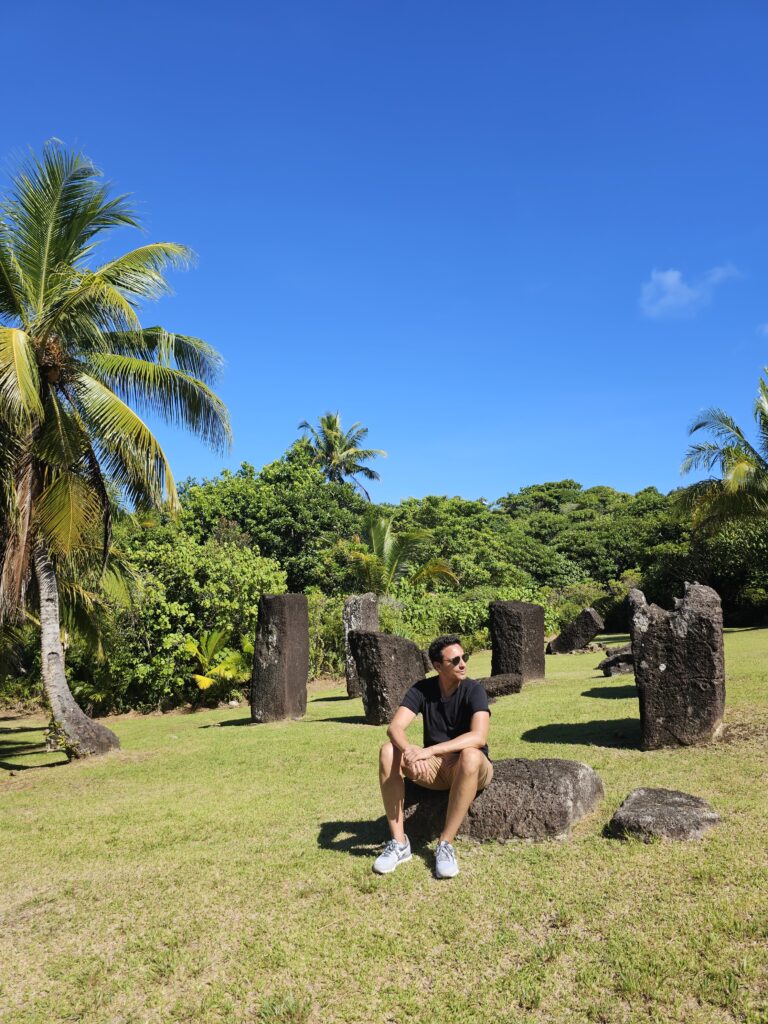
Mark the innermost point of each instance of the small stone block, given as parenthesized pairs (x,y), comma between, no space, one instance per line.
(619,662)
(649,814)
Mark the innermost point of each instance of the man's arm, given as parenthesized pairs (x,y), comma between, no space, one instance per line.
(476,737)
(401,719)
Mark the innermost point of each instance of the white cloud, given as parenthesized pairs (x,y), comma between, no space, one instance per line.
(667,294)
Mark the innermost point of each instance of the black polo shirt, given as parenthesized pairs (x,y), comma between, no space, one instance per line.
(446,718)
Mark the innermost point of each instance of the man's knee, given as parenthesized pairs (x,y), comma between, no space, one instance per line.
(387,754)
(471,760)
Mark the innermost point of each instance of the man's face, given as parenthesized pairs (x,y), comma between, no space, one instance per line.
(449,672)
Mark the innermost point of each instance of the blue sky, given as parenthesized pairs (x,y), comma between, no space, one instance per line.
(520,242)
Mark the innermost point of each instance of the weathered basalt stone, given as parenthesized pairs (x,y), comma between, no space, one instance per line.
(525,800)
(578,633)
(500,686)
(387,666)
(280,658)
(679,668)
(619,662)
(662,814)
(517,639)
(361,612)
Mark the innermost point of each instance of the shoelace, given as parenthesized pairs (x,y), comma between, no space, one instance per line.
(393,847)
(444,852)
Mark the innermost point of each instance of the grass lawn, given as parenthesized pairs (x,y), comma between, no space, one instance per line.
(215,871)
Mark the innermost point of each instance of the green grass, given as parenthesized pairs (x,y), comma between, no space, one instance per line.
(213,872)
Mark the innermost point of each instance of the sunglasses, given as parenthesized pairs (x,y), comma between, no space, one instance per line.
(459,657)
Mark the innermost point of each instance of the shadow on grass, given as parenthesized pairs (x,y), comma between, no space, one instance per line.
(11,766)
(229,721)
(357,838)
(615,732)
(365,839)
(344,719)
(4,730)
(611,692)
(324,700)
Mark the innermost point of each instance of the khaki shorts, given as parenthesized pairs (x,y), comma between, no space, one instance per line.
(442,768)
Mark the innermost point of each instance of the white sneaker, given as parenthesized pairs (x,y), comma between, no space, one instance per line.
(394,853)
(446,865)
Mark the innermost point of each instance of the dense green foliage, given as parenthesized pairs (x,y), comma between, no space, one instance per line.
(286,527)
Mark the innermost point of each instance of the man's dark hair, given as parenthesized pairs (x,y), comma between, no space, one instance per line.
(436,647)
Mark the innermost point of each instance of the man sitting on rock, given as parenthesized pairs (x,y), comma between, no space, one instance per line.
(454,756)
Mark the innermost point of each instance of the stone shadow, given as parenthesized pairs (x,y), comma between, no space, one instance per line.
(623,733)
(324,700)
(611,692)
(345,720)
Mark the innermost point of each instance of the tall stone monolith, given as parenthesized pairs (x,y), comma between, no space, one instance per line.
(280,658)
(361,612)
(679,667)
(387,666)
(517,639)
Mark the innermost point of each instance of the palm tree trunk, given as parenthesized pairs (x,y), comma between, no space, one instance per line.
(80,736)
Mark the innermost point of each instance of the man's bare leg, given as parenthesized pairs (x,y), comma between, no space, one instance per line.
(463,791)
(393,789)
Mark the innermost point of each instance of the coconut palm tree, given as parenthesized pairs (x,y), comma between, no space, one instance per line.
(741,491)
(76,370)
(391,557)
(338,452)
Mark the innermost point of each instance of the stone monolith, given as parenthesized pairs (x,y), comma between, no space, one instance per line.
(387,666)
(679,668)
(280,658)
(361,612)
(578,633)
(517,639)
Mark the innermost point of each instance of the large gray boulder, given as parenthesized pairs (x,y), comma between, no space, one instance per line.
(649,814)
(619,662)
(679,668)
(387,666)
(500,686)
(525,800)
(578,633)
(280,658)
(361,612)
(517,639)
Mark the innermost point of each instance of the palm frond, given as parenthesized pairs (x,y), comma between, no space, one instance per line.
(129,450)
(166,392)
(65,511)
(19,379)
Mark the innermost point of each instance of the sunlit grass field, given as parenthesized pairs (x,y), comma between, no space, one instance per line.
(214,871)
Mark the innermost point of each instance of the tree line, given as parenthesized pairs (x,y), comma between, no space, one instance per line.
(127,591)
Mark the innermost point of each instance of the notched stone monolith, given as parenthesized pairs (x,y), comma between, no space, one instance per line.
(361,612)
(387,666)
(280,658)
(517,639)
(649,814)
(578,633)
(679,668)
(526,799)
